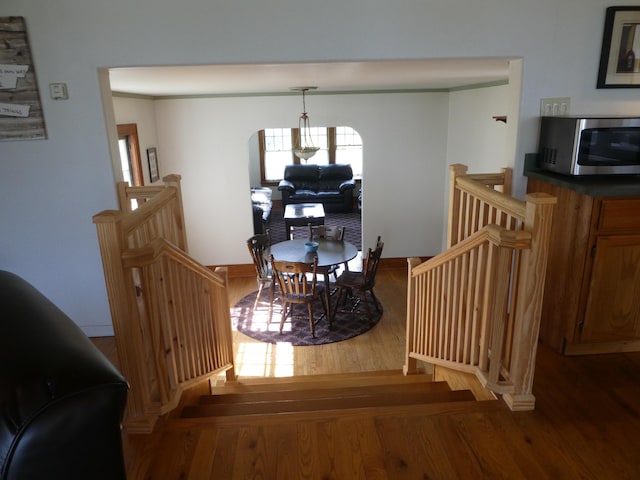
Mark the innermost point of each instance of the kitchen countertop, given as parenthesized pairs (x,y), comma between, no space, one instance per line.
(593,185)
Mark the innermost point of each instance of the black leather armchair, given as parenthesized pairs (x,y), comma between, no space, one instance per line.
(61,400)
(331,185)
(259,224)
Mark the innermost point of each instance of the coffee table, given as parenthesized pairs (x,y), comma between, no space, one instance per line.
(301,215)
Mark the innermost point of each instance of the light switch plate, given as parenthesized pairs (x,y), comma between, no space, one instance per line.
(555,107)
(58,91)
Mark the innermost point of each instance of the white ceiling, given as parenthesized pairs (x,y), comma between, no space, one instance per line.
(328,77)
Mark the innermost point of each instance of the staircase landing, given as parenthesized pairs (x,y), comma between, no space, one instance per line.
(317,396)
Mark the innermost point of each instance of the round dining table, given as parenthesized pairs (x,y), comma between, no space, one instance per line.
(330,252)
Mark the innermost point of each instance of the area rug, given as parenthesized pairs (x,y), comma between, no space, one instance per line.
(263,324)
(351,221)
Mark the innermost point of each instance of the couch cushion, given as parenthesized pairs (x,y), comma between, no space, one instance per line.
(336,172)
(328,186)
(297,173)
(332,195)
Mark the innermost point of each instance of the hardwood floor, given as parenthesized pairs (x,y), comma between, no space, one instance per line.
(381,348)
(586,423)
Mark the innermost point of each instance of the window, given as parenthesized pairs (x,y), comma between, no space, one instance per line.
(320,139)
(275,152)
(337,145)
(349,149)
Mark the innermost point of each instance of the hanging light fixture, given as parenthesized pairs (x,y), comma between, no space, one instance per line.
(303,145)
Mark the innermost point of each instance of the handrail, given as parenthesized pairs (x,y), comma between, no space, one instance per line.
(474,277)
(509,205)
(170,314)
(188,317)
(501,180)
(148,210)
(476,201)
(487,288)
(497,235)
(141,257)
(141,194)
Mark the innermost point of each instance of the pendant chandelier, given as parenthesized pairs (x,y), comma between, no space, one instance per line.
(303,145)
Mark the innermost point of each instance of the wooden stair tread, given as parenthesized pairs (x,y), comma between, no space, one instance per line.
(249,396)
(407,411)
(304,382)
(326,404)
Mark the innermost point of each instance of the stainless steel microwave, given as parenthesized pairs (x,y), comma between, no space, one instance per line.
(590,145)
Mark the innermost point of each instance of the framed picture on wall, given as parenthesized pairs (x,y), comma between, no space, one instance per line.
(620,55)
(152,157)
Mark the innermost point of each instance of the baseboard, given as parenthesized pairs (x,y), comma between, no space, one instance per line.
(248,270)
(97,330)
(631,345)
(238,271)
(392,263)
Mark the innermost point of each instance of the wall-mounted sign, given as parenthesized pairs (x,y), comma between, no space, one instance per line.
(20,108)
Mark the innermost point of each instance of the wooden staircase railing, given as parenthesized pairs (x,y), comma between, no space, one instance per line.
(476,307)
(170,314)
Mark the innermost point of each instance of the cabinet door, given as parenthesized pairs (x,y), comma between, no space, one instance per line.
(613,306)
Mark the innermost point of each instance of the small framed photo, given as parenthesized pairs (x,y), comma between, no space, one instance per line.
(152,157)
(620,55)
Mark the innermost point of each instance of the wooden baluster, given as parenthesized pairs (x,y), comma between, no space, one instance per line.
(178,211)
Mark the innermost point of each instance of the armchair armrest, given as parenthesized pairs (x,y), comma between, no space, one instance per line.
(347,185)
(286,185)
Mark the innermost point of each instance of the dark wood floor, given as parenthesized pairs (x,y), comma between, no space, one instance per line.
(586,425)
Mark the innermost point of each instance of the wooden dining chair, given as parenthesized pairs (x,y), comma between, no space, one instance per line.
(352,283)
(259,246)
(297,285)
(328,232)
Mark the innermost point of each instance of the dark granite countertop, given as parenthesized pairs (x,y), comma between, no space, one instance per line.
(593,185)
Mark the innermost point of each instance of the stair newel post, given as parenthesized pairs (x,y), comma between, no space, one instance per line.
(124,314)
(507,174)
(174,180)
(504,242)
(531,279)
(455,171)
(410,364)
(123,197)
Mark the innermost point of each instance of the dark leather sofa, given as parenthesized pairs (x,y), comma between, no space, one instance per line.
(61,400)
(331,185)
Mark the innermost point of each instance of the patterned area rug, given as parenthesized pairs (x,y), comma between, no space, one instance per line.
(351,221)
(263,325)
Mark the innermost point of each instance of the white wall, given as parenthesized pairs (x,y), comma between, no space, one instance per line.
(142,112)
(52,187)
(207,141)
(474,136)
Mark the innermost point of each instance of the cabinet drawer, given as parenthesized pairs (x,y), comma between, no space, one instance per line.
(619,216)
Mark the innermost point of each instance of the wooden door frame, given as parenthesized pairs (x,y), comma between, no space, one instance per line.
(130,131)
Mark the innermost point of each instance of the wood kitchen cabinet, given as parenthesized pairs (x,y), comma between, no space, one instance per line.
(592,289)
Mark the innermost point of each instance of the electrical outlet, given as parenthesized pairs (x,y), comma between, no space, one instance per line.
(555,107)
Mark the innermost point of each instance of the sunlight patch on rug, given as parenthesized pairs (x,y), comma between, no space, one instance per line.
(263,323)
